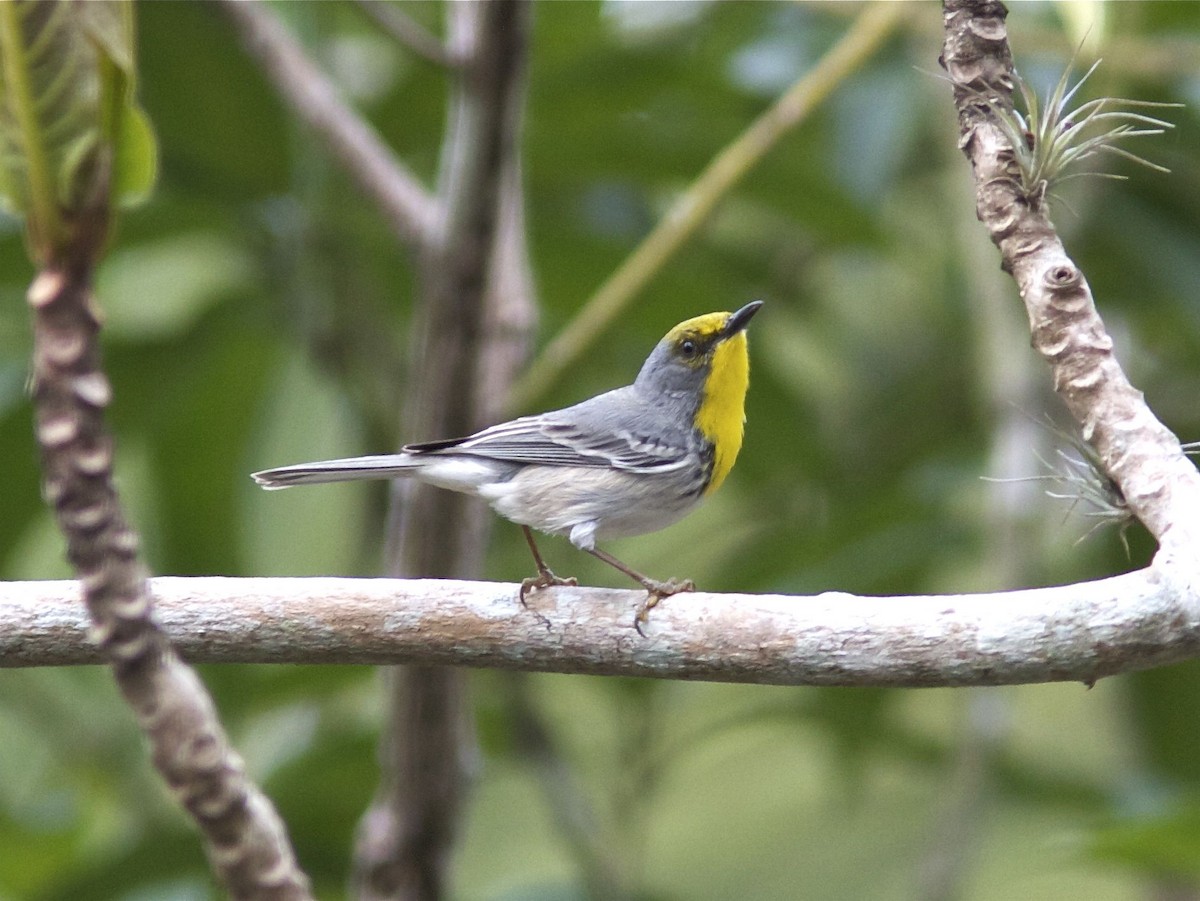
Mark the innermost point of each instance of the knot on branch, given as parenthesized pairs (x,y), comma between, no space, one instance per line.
(990,28)
(59,349)
(976,54)
(1063,280)
(999,208)
(56,429)
(80,513)
(92,389)
(46,288)
(96,459)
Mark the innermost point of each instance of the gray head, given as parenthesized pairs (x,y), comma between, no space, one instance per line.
(681,362)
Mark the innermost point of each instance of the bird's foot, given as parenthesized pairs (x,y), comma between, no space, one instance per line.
(655,592)
(544,579)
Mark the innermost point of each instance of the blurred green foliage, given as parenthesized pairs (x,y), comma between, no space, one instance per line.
(257,312)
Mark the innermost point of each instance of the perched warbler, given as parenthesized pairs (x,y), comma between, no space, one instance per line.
(626,462)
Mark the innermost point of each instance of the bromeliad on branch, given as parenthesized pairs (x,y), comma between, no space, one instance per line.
(1049,139)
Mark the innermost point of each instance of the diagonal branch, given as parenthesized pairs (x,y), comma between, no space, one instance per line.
(244,837)
(406,31)
(1080,632)
(412,211)
(69,160)
(1159,484)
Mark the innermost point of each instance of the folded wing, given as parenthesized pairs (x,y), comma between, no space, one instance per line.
(565,442)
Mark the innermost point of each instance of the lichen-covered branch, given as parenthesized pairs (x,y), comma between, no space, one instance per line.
(1080,632)
(244,837)
(1144,459)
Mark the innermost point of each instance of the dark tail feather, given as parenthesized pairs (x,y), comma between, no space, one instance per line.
(386,466)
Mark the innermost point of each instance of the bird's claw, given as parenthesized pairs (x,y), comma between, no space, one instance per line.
(655,592)
(544,579)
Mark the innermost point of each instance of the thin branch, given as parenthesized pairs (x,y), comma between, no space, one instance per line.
(1080,632)
(407,32)
(1138,452)
(413,213)
(964,805)
(694,206)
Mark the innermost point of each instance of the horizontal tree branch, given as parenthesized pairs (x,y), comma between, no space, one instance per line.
(1079,632)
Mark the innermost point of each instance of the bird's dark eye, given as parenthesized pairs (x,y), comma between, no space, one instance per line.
(688,349)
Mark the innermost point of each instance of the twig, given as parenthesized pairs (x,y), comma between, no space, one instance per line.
(406,31)
(694,206)
(411,210)
(1137,451)
(1080,632)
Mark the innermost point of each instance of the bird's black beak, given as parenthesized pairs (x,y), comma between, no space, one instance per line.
(739,320)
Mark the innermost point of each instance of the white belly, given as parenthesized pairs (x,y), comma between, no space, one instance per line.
(591,504)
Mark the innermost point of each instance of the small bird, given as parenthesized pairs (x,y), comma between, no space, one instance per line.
(632,460)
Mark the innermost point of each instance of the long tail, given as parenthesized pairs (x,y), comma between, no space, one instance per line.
(385,466)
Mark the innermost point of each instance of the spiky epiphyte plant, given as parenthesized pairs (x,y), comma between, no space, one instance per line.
(1049,139)
(1077,475)
(1082,479)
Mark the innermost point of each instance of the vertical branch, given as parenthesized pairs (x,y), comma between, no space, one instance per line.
(244,837)
(471,328)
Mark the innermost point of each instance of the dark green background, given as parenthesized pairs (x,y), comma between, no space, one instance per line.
(257,313)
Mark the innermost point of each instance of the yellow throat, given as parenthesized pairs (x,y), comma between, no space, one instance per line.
(722,414)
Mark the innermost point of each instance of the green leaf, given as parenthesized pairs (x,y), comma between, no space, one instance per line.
(71,135)
(136,164)
(44,93)
(124,124)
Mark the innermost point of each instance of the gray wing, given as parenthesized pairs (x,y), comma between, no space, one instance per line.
(609,430)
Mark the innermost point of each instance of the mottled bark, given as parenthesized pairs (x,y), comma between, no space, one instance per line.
(1080,632)
(244,837)
(1144,459)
